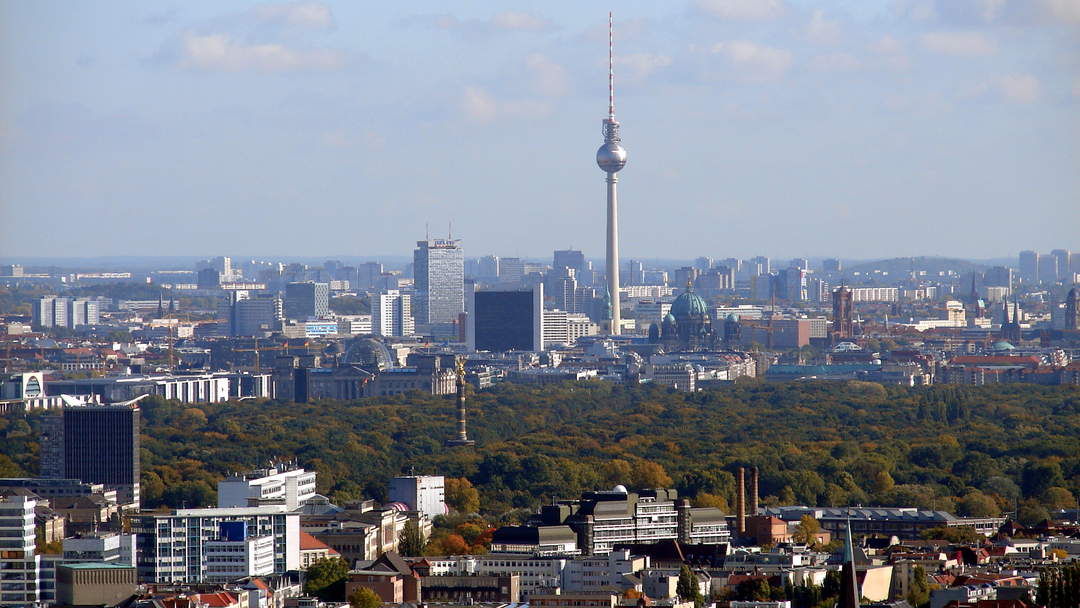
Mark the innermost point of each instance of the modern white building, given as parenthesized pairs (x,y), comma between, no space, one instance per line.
(237,554)
(391,314)
(19,564)
(174,547)
(281,483)
(423,493)
(108,547)
(51,311)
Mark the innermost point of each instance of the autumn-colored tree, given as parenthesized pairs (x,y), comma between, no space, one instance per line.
(461,495)
(364,597)
(648,474)
(705,499)
(806,530)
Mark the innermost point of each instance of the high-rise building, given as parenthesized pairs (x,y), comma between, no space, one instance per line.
(51,311)
(19,563)
(842,310)
(568,258)
(487,268)
(307,300)
(832,265)
(703,263)
(611,157)
(1048,269)
(635,273)
(367,275)
(391,314)
(800,263)
(438,281)
(94,444)
(1072,309)
(1063,258)
(561,285)
(511,270)
(998,276)
(507,320)
(1029,266)
(254,313)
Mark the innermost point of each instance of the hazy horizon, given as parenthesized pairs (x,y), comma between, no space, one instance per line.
(874,129)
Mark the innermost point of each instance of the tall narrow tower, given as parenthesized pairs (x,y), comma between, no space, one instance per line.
(612,157)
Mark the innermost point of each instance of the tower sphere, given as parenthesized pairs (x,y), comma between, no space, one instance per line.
(611,157)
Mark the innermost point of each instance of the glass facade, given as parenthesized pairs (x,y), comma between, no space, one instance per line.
(504,321)
(439,281)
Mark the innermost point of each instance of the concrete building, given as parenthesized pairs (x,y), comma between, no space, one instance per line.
(174,547)
(439,281)
(237,554)
(391,314)
(904,523)
(94,584)
(282,483)
(100,547)
(423,493)
(19,561)
(94,444)
(254,313)
(1029,267)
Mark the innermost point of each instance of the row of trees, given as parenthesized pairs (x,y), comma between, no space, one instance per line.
(815,443)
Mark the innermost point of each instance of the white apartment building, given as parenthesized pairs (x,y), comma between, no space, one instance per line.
(174,547)
(354,325)
(282,483)
(423,493)
(391,314)
(875,294)
(19,564)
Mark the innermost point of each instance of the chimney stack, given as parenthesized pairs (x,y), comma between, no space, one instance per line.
(754,491)
(740,504)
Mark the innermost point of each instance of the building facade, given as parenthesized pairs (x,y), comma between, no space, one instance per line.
(94,444)
(286,483)
(391,314)
(439,281)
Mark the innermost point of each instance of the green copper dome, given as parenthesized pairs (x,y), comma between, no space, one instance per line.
(689,304)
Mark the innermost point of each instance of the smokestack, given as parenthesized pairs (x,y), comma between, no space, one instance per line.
(740,504)
(754,491)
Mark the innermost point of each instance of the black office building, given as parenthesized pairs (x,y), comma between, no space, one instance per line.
(505,320)
(94,444)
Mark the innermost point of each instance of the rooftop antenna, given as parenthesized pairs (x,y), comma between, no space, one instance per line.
(611,65)
(427,232)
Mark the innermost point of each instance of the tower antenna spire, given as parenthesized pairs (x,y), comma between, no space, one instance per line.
(611,64)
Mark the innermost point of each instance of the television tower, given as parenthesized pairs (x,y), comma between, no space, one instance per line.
(612,157)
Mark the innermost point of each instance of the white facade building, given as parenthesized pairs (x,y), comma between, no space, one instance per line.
(288,484)
(19,562)
(173,547)
(228,560)
(391,314)
(423,493)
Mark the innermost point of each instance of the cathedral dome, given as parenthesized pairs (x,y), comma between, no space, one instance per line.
(689,304)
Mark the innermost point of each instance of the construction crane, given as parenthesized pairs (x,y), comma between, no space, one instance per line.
(256,349)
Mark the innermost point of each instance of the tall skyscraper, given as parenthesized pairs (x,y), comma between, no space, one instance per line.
(1029,266)
(391,314)
(568,258)
(611,157)
(1072,309)
(1048,269)
(254,313)
(487,268)
(438,281)
(307,299)
(19,560)
(94,444)
(51,311)
(1063,257)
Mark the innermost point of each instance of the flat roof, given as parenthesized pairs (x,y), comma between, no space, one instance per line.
(96,566)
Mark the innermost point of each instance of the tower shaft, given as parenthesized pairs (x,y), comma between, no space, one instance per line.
(613,252)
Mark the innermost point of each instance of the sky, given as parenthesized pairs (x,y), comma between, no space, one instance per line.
(851,128)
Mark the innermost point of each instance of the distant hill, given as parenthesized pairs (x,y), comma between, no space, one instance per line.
(932,265)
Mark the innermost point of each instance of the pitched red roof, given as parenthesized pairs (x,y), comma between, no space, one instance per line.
(310,543)
(221,599)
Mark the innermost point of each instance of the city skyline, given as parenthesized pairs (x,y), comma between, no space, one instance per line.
(933,121)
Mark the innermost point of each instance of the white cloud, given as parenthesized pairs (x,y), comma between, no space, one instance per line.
(891,53)
(516,21)
(821,30)
(639,66)
(306,14)
(743,9)
(479,105)
(962,44)
(1064,10)
(220,52)
(759,62)
(1019,88)
(888,44)
(836,62)
(548,77)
